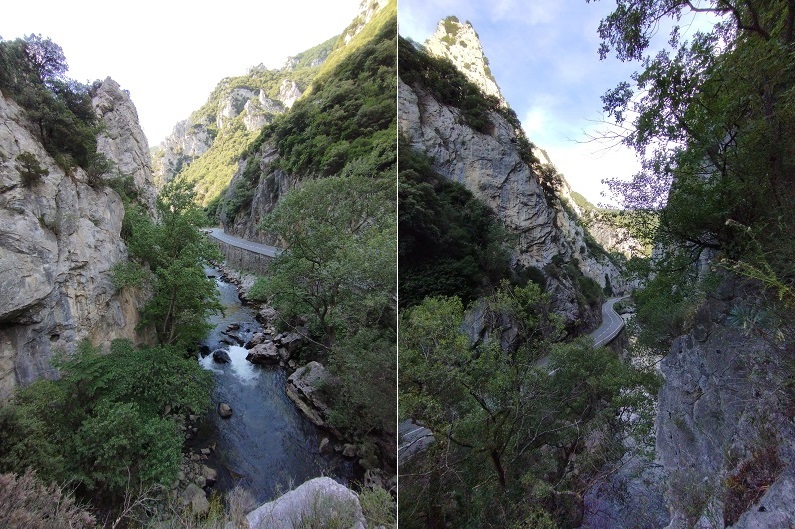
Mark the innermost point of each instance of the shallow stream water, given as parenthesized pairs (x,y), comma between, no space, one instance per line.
(267,446)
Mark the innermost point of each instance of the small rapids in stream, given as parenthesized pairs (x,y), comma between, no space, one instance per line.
(267,446)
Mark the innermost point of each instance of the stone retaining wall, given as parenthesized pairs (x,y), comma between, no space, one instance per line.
(242,259)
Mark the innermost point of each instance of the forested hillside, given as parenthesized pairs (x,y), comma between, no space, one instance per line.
(498,282)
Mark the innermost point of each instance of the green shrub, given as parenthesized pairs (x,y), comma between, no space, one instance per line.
(104,423)
(450,243)
(30,170)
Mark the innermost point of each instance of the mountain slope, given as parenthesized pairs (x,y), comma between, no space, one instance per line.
(345,122)
(203,148)
(472,139)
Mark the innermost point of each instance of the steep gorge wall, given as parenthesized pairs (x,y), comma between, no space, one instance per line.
(270,187)
(491,167)
(725,430)
(58,241)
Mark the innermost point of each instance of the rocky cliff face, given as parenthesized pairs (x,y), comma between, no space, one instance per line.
(459,43)
(491,167)
(58,239)
(725,431)
(269,189)
(191,138)
(123,142)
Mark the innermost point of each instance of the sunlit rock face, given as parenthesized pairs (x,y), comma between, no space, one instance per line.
(59,238)
(459,43)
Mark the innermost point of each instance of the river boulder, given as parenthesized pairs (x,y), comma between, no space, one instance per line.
(292,341)
(224,410)
(258,338)
(264,354)
(221,356)
(310,387)
(204,350)
(194,496)
(267,315)
(319,502)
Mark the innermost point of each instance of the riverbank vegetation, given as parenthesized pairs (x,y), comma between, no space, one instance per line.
(167,257)
(112,424)
(109,423)
(338,227)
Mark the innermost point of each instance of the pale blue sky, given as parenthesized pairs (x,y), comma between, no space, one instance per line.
(543,54)
(170,54)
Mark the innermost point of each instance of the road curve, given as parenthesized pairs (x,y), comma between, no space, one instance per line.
(262,249)
(611,325)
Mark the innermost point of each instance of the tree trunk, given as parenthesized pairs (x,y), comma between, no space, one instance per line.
(495,458)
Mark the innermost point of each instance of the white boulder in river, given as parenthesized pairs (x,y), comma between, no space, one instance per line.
(319,502)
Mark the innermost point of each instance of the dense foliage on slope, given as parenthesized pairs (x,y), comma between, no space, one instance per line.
(106,424)
(450,244)
(32,73)
(521,421)
(338,227)
(350,114)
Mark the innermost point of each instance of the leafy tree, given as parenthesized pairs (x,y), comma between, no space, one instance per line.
(32,72)
(339,259)
(712,118)
(104,422)
(510,413)
(338,267)
(175,251)
(30,169)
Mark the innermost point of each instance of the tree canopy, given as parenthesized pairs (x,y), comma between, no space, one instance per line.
(168,255)
(510,412)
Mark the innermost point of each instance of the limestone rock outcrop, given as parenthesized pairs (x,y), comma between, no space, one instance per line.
(185,144)
(310,387)
(459,43)
(59,237)
(273,185)
(123,141)
(367,9)
(193,137)
(491,167)
(319,502)
(723,418)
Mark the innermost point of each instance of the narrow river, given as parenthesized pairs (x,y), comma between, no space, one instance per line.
(267,446)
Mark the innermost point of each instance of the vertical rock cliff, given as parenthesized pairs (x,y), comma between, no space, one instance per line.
(59,238)
(492,166)
(725,431)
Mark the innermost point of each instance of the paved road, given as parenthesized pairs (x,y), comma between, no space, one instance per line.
(414,438)
(262,249)
(611,325)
